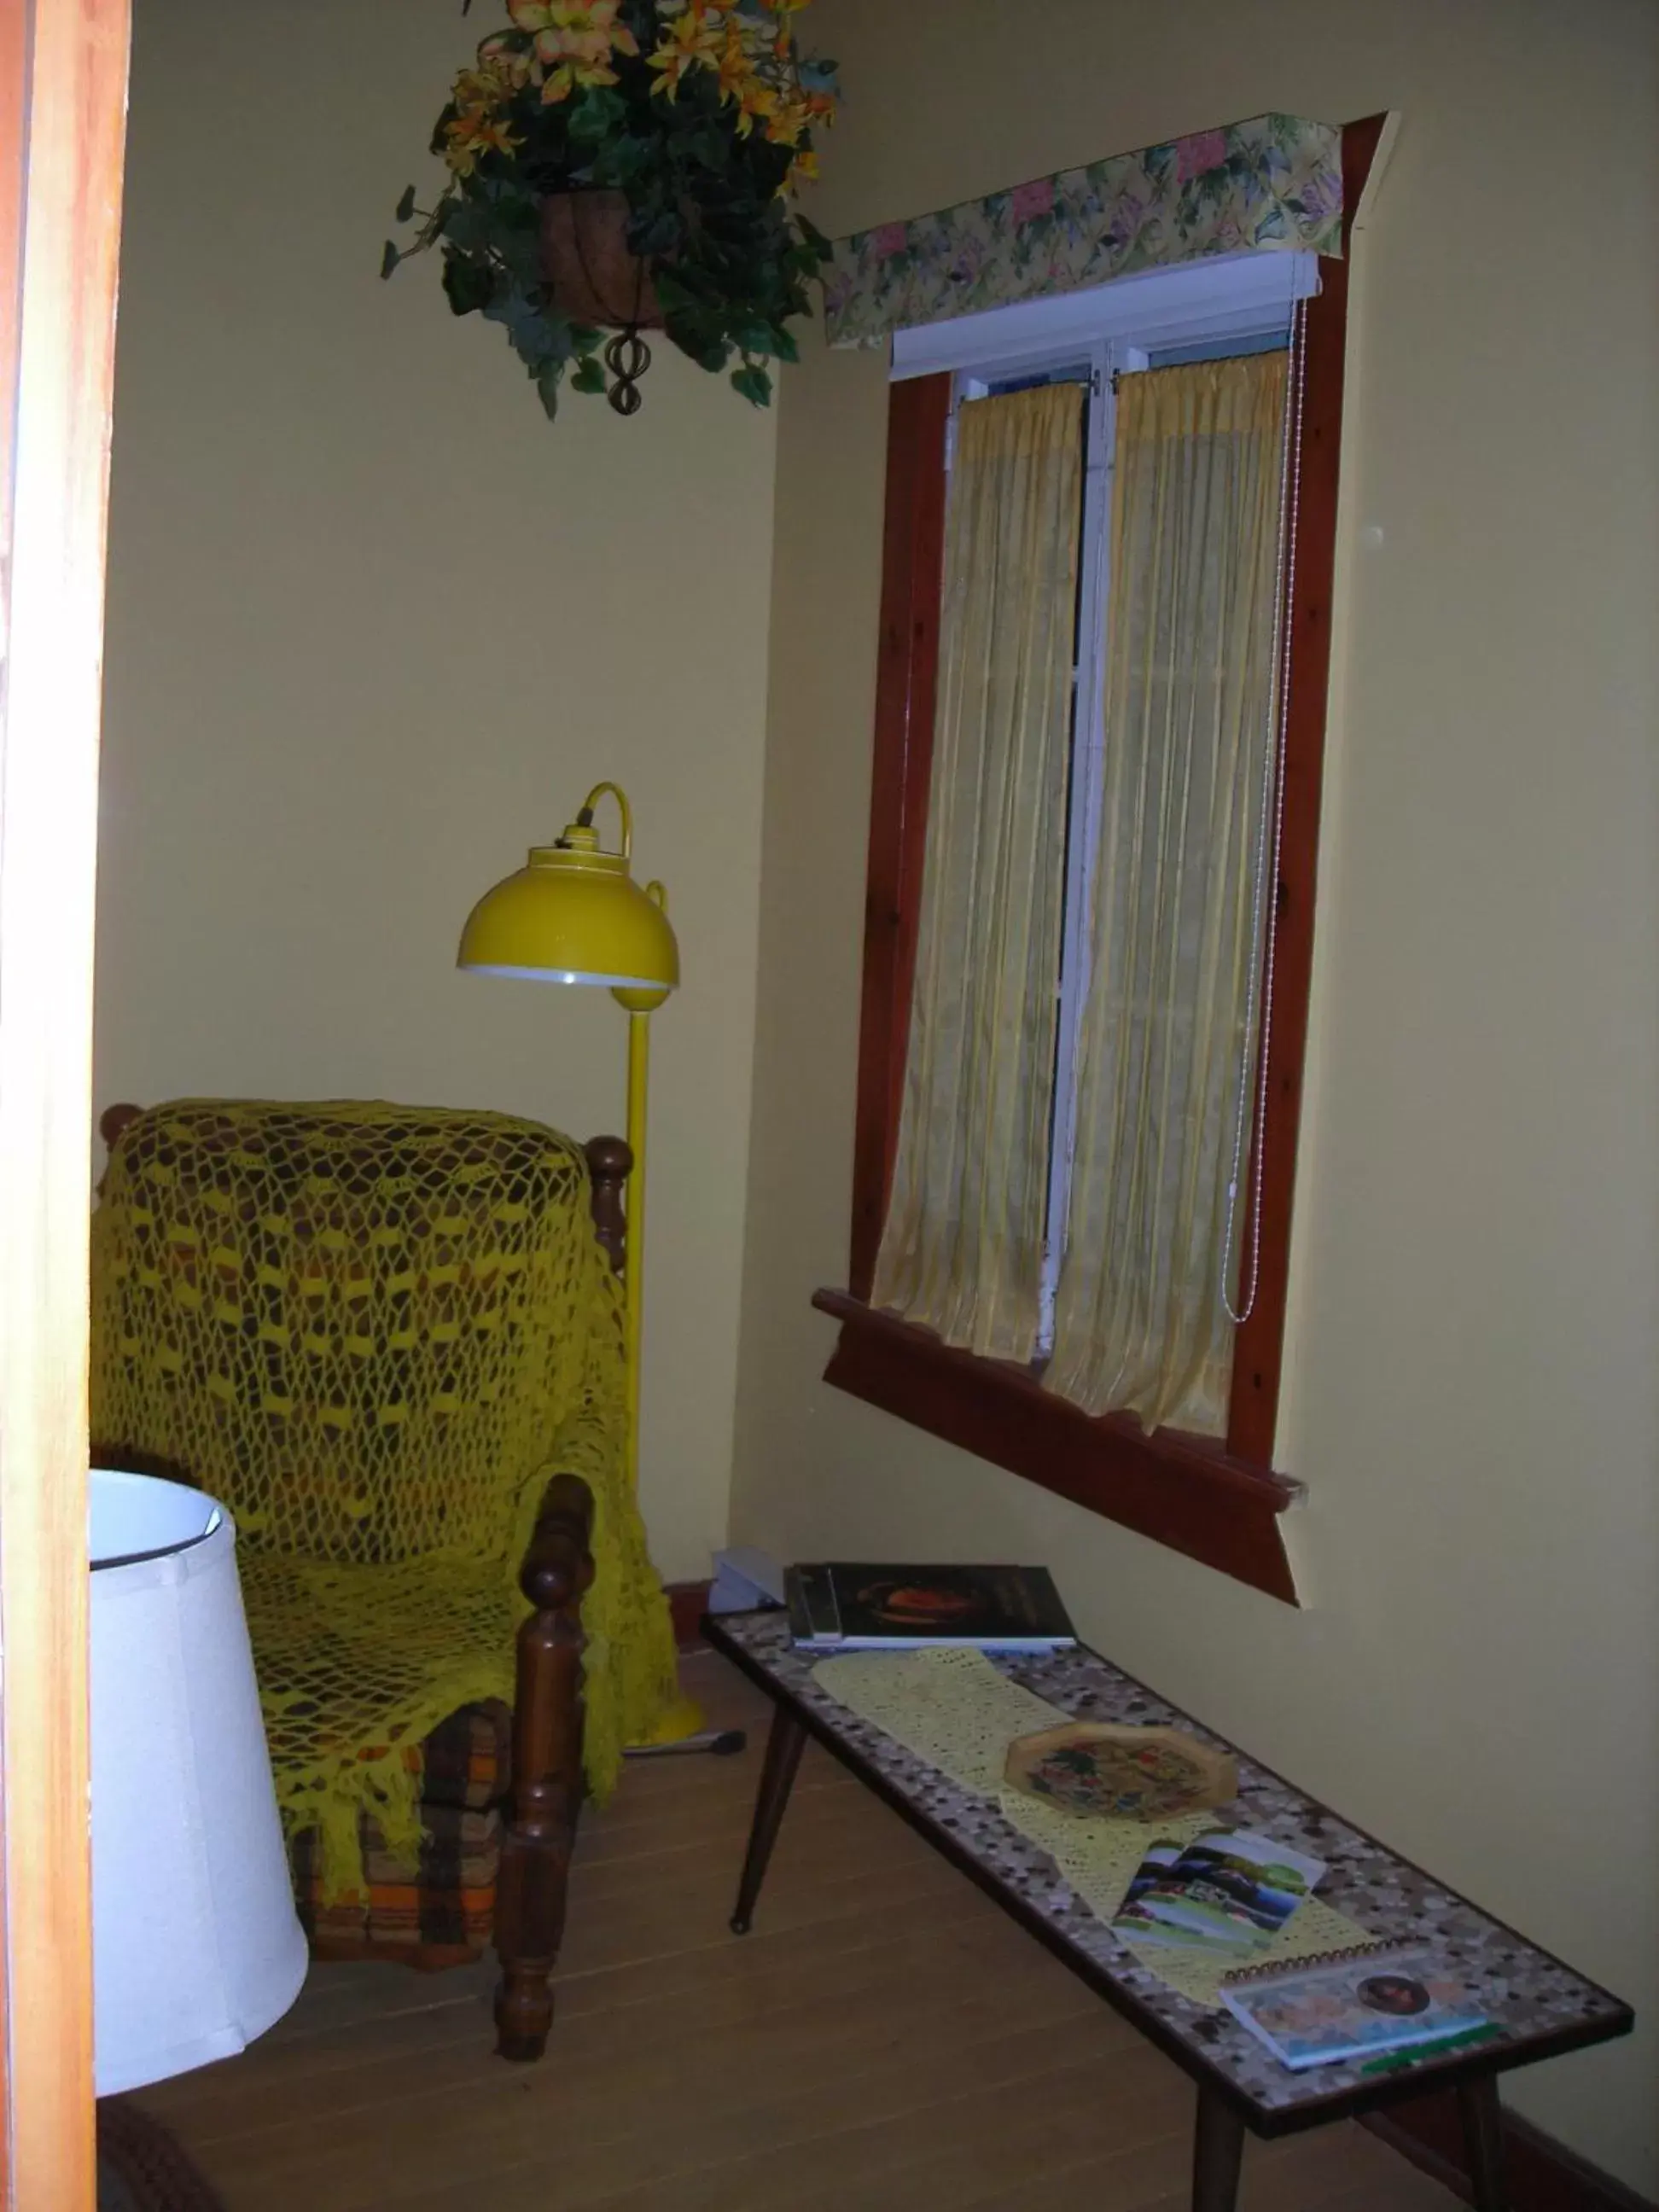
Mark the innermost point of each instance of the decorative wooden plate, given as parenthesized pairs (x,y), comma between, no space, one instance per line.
(1092,1768)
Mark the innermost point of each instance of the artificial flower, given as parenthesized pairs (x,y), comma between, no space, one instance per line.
(692,40)
(483,90)
(508,59)
(736,72)
(786,120)
(575,41)
(474,133)
(701,11)
(759,104)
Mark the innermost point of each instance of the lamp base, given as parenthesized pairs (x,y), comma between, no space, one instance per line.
(680,1717)
(718,1743)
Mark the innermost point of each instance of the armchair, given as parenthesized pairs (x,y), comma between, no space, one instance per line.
(390,1341)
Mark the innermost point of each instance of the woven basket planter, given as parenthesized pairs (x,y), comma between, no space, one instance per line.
(586,258)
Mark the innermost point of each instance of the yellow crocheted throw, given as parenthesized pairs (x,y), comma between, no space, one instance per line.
(375,1331)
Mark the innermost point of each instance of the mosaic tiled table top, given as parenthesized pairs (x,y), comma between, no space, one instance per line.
(1533,1996)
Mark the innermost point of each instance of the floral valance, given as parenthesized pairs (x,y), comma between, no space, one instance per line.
(1274,183)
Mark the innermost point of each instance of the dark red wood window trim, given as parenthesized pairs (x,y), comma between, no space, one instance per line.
(1217,1503)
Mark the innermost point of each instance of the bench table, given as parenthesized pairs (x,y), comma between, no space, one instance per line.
(1543,2006)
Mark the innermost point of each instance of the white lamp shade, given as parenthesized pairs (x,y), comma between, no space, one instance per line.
(196,1945)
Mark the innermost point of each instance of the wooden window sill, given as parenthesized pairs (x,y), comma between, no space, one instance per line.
(1181,1490)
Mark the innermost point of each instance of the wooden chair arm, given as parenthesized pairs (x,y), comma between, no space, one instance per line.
(557,1566)
(610,1164)
(547,1766)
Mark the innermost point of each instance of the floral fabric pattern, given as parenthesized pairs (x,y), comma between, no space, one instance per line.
(1272,184)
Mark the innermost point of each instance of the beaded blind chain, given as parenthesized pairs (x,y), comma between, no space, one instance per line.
(1272,823)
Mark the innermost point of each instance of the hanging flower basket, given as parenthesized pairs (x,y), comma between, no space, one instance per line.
(626,165)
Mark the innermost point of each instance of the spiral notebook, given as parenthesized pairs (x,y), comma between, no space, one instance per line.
(1361,2003)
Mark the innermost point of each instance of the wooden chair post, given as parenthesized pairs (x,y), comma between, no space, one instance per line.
(547,1769)
(610,1164)
(547,1708)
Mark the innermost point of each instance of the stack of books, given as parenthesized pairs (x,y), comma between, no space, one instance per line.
(845,1607)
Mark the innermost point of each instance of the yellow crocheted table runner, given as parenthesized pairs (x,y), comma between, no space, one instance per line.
(954,1710)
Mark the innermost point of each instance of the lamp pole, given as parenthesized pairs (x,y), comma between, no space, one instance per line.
(639,1064)
(573,914)
(639,1054)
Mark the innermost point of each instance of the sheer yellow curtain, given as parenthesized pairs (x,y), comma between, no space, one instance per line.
(1168,1024)
(962,1246)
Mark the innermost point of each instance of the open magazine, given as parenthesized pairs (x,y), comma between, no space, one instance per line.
(1227,1895)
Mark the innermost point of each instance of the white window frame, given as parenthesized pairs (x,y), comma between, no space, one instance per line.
(1097,335)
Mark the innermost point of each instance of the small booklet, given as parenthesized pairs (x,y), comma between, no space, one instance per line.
(842,1606)
(1353,2004)
(1227,1895)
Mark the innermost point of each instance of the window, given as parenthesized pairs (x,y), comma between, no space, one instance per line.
(1027,555)
(1072,359)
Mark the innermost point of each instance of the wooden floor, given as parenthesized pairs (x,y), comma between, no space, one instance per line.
(885,2038)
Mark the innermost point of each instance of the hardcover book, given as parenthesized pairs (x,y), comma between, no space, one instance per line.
(1354,2005)
(847,1606)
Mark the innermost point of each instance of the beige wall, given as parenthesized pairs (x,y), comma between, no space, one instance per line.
(1471,1393)
(374,626)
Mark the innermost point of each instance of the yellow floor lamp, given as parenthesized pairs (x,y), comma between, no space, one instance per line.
(574,915)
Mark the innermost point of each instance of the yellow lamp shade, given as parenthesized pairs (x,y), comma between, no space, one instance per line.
(574,915)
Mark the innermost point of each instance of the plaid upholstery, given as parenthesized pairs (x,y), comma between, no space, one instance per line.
(446,1895)
(468,1758)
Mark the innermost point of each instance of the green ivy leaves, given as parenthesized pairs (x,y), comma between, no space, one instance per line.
(752,381)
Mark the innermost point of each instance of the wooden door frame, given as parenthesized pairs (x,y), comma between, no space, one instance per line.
(62,121)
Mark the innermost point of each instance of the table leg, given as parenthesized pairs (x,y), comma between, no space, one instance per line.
(784,1746)
(1217,2150)
(1483,2140)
